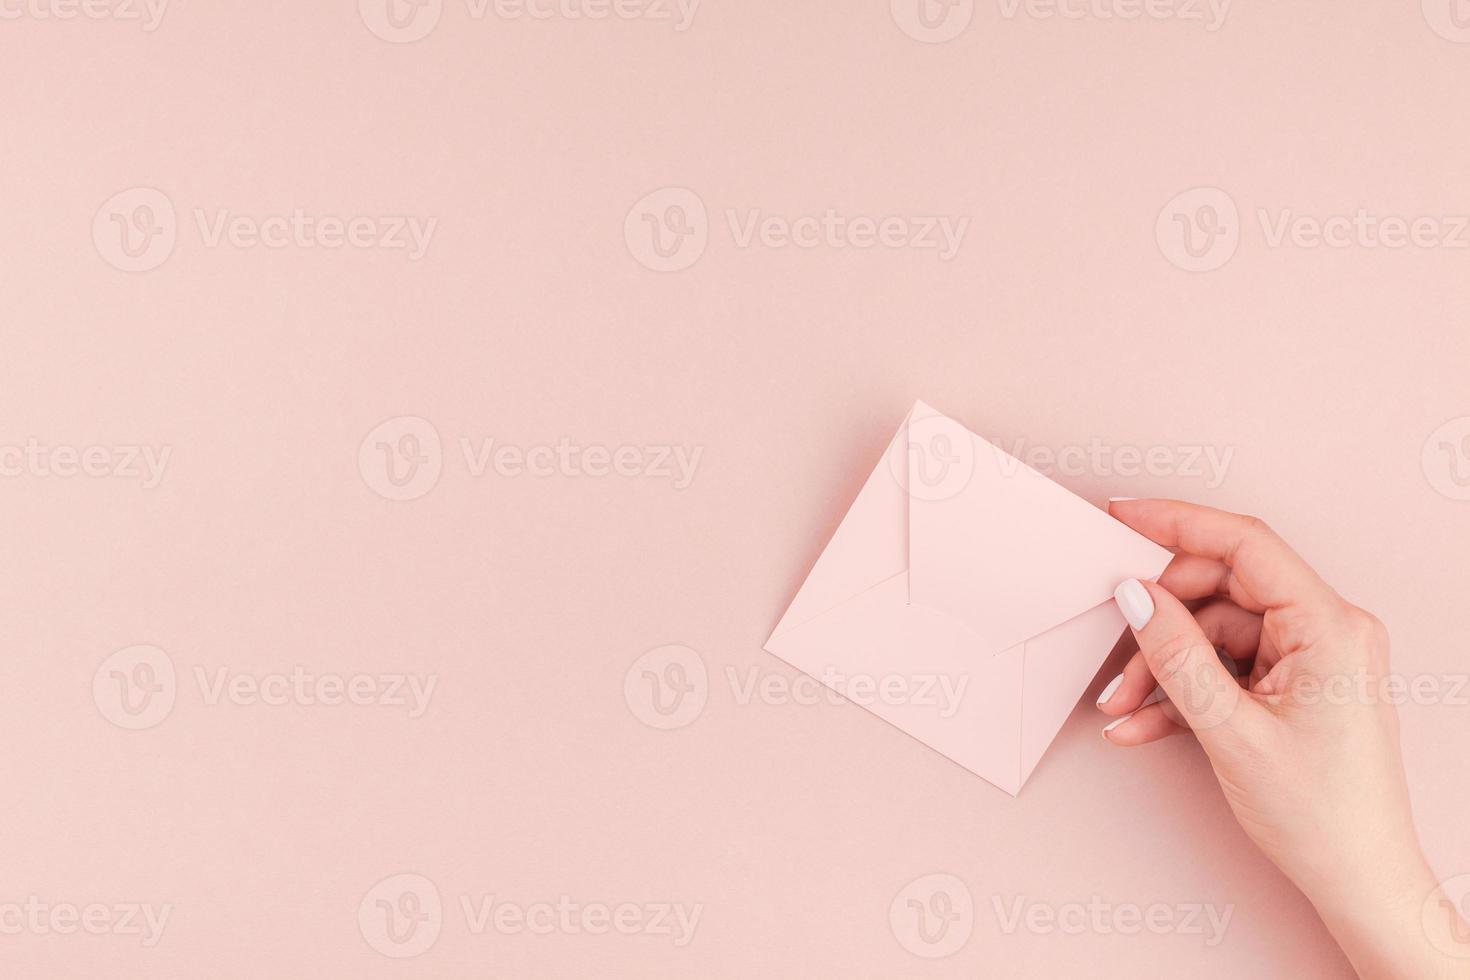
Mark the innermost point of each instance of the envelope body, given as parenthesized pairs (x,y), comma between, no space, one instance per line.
(965,598)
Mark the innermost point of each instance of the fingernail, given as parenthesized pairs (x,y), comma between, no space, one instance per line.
(1114,500)
(1108,691)
(1114,724)
(1135,602)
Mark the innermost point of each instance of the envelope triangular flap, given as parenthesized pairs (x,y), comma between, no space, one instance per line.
(870,546)
(956,699)
(1000,546)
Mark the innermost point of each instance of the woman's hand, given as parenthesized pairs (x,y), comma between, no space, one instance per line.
(1305,745)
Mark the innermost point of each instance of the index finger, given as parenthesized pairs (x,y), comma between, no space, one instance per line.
(1260,562)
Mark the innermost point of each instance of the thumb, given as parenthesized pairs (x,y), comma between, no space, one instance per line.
(1182,658)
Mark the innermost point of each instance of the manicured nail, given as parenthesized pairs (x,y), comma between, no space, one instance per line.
(1135,602)
(1108,691)
(1114,500)
(1114,724)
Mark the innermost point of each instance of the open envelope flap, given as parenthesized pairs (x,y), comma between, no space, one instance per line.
(1001,547)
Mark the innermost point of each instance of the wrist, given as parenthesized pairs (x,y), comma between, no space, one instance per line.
(1377,916)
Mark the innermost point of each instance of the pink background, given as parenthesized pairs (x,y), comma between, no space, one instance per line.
(1061,320)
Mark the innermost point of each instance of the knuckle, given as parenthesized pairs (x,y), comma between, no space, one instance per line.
(1370,622)
(1257,527)
(1175,653)
(1366,627)
(1253,532)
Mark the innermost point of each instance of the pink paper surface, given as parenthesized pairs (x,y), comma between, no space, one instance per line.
(605,724)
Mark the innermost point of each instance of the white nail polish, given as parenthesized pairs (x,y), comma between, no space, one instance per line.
(1115,723)
(1135,602)
(1114,500)
(1110,690)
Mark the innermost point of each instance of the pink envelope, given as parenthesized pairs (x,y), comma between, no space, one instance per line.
(965,598)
